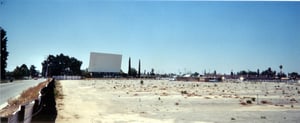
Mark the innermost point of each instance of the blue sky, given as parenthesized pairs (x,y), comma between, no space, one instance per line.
(167,36)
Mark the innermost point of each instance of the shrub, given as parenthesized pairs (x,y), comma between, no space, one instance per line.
(249,102)
(263,117)
(243,103)
(265,102)
(184,92)
(142,82)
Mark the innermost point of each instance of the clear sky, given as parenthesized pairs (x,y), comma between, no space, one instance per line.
(167,36)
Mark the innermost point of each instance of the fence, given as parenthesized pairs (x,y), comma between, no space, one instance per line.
(42,109)
(67,77)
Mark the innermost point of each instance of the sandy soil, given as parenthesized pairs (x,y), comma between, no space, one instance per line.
(122,101)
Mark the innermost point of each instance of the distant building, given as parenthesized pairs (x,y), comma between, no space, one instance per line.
(104,64)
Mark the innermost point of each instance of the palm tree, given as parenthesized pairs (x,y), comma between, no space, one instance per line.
(280,67)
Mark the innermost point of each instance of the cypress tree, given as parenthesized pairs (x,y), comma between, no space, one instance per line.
(129,67)
(139,73)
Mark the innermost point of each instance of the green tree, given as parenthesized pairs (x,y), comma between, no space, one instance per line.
(133,72)
(152,72)
(280,75)
(33,72)
(4,53)
(294,75)
(195,74)
(252,73)
(20,72)
(139,72)
(61,65)
(17,73)
(129,67)
(243,72)
(268,73)
(24,70)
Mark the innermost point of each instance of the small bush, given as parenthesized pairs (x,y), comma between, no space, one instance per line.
(263,117)
(184,92)
(263,102)
(293,100)
(249,102)
(215,85)
(243,103)
(207,97)
(164,94)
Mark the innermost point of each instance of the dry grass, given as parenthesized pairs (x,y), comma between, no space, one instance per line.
(207,97)
(58,90)
(26,96)
(265,102)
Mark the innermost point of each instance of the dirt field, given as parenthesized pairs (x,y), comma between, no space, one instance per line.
(120,101)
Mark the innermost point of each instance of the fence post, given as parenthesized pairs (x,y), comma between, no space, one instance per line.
(28,112)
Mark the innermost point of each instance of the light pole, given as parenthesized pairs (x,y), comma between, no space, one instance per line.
(47,70)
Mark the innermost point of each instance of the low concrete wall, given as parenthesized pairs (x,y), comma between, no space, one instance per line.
(14,118)
(42,109)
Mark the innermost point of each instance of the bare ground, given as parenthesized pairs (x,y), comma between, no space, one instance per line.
(106,101)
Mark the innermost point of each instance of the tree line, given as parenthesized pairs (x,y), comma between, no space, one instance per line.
(61,65)
(52,66)
(269,73)
(23,71)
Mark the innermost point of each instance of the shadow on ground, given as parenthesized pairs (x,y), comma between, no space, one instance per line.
(47,111)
